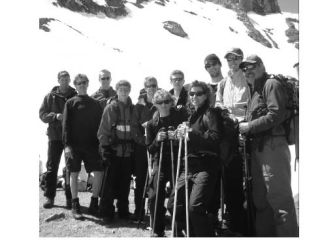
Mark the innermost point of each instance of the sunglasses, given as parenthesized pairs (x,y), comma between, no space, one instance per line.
(230,59)
(248,68)
(151,86)
(198,94)
(176,79)
(105,78)
(167,101)
(81,83)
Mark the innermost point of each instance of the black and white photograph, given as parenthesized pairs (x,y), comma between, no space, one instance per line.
(162,118)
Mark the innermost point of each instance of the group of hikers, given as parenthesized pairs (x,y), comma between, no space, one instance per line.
(177,145)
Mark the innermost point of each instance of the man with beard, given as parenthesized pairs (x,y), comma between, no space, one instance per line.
(270,165)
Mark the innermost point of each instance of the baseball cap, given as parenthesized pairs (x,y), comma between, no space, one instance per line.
(63,74)
(235,51)
(212,58)
(252,59)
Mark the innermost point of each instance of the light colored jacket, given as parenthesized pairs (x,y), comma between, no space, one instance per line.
(233,93)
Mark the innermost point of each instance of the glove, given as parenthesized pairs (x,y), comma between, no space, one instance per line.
(106,153)
(162,135)
(171,133)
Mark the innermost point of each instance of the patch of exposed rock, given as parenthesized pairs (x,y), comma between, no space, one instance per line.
(43,24)
(112,9)
(292,32)
(175,28)
(258,6)
(252,31)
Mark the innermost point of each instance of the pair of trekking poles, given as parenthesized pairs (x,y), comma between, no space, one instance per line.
(174,181)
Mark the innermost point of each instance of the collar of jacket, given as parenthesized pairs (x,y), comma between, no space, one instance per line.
(200,111)
(69,93)
(258,83)
(235,75)
(105,91)
(128,104)
(156,116)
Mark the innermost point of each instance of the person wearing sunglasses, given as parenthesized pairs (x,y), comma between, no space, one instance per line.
(51,112)
(142,113)
(203,138)
(158,133)
(105,91)
(80,124)
(212,64)
(178,90)
(233,94)
(270,164)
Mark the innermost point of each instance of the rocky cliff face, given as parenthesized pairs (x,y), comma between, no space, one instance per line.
(259,6)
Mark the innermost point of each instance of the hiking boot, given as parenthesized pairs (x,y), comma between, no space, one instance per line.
(48,203)
(69,203)
(125,215)
(107,220)
(135,217)
(94,207)
(76,212)
(160,234)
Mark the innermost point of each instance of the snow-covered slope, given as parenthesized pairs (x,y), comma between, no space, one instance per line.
(137,45)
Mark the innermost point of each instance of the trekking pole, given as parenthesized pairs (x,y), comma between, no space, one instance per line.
(67,180)
(149,172)
(172,157)
(148,155)
(157,186)
(248,189)
(142,206)
(186,178)
(104,180)
(223,221)
(88,178)
(176,189)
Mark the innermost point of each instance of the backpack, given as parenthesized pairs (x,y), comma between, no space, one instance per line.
(228,147)
(291,124)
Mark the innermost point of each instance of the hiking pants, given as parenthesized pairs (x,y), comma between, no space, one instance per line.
(140,171)
(55,149)
(234,196)
(271,186)
(116,185)
(200,186)
(165,176)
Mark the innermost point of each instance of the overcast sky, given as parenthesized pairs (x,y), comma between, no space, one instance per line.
(289,5)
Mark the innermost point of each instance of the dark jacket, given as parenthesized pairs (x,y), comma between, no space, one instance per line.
(81,121)
(206,124)
(183,97)
(267,107)
(52,104)
(141,114)
(115,127)
(176,117)
(205,137)
(103,95)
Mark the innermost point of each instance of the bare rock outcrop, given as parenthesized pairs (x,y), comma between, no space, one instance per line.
(292,32)
(258,6)
(175,28)
(112,9)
